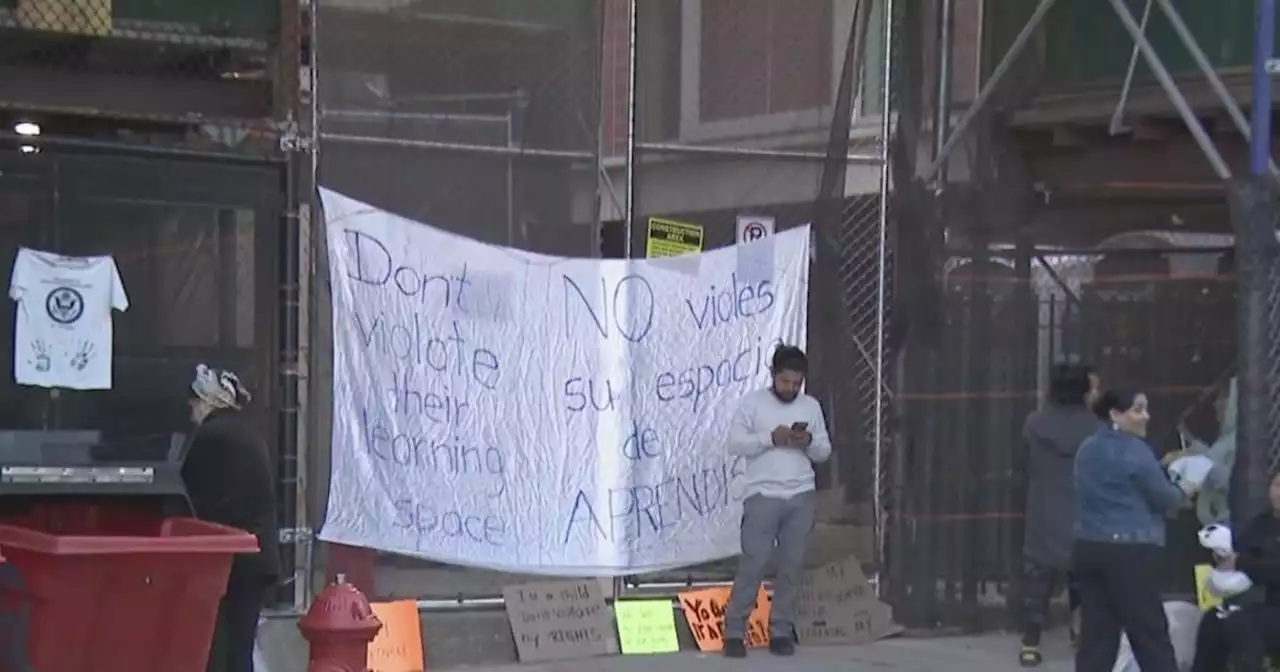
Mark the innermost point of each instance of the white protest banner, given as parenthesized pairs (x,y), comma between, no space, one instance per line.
(545,415)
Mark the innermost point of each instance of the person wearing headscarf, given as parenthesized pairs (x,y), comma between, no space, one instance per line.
(1053,435)
(230,481)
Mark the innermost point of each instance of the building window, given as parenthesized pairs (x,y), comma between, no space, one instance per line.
(870,96)
(763,57)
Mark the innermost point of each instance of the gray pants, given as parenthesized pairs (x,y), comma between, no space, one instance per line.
(766,522)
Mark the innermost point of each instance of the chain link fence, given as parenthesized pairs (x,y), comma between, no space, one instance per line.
(766,116)
(522,132)
(480,117)
(150,131)
(104,57)
(162,133)
(1253,216)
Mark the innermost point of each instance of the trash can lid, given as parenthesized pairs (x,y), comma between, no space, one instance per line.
(80,462)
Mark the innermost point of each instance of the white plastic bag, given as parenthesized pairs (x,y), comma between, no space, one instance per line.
(1223,583)
(259,661)
(259,664)
(1184,621)
(1193,469)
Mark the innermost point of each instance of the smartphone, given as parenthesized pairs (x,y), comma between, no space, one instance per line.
(799,426)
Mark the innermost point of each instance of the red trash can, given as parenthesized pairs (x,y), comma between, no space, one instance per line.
(98,588)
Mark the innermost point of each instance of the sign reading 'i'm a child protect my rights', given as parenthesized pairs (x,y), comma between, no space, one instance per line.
(559,620)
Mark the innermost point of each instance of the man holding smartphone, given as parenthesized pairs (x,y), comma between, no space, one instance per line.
(781,432)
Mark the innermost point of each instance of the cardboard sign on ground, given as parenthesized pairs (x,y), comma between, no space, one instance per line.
(704,609)
(646,626)
(837,605)
(559,620)
(398,645)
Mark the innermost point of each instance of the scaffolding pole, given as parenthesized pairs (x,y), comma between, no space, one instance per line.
(942,93)
(1117,118)
(1171,89)
(464,148)
(750,153)
(1264,46)
(1254,202)
(988,89)
(603,184)
(305,588)
(1215,82)
(629,188)
(633,68)
(882,289)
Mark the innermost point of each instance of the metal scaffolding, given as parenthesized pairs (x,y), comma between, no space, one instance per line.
(514,150)
(1259,135)
(637,152)
(1253,200)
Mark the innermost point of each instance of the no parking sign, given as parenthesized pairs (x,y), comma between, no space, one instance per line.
(754,227)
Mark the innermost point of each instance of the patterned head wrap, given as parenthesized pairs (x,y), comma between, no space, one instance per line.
(218,388)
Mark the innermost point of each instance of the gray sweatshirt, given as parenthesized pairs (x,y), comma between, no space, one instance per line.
(1212,501)
(777,471)
(1053,435)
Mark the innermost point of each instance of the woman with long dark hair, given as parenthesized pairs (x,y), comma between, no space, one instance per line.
(1122,498)
(229,480)
(1053,435)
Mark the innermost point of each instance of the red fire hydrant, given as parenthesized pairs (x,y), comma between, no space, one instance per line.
(339,627)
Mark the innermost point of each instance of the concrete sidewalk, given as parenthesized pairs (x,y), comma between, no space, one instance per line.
(481,642)
(992,653)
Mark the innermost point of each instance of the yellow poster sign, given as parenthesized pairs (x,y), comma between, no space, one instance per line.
(1205,599)
(646,626)
(669,238)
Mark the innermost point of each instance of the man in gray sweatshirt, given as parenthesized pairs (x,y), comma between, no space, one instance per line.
(781,432)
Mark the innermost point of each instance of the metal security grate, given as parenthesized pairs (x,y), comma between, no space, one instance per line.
(104,57)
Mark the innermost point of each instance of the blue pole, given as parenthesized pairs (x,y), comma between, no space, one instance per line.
(1264,44)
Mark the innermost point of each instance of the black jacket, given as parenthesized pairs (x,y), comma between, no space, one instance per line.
(229,478)
(1258,549)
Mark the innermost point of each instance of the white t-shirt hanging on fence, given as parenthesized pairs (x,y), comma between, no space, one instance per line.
(62,334)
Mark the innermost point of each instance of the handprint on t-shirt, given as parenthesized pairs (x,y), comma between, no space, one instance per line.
(82,356)
(40,356)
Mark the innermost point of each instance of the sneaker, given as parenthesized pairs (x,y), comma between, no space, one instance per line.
(735,648)
(782,646)
(1030,657)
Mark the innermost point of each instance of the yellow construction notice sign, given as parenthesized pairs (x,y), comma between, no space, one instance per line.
(669,238)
